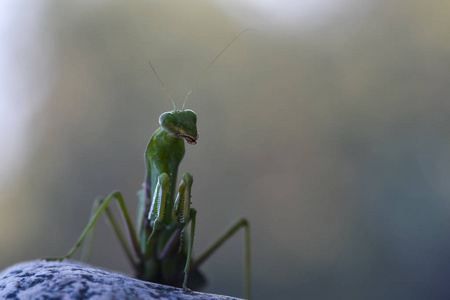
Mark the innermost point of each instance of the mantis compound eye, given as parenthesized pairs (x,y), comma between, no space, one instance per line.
(169,122)
(191,115)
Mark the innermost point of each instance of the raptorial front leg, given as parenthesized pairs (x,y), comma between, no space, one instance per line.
(183,213)
(158,208)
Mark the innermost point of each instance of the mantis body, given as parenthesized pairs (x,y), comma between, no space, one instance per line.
(161,248)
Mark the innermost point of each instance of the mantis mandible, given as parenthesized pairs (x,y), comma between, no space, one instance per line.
(161,248)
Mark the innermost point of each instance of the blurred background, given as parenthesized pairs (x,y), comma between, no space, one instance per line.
(328,128)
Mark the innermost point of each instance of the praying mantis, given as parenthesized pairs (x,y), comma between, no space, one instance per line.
(161,248)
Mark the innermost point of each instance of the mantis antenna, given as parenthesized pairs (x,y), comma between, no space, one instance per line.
(164,87)
(201,75)
(211,63)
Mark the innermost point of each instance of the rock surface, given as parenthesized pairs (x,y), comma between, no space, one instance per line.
(74,280)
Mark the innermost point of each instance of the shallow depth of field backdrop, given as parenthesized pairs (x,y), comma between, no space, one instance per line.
(329,128)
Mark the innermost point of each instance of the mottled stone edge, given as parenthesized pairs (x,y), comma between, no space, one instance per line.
(39,279)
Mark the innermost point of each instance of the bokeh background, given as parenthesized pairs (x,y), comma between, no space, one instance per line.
(328,128)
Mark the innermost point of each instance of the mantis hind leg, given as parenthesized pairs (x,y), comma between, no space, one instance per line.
(87,244)
(101,207)
(234,227)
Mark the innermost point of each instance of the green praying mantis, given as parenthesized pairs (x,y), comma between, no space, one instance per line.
(161,248)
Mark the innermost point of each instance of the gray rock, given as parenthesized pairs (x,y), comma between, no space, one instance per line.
(40,279)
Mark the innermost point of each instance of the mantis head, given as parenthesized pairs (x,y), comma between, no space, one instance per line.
(181,123)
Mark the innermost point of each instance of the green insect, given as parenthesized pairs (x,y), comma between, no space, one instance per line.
(161,248)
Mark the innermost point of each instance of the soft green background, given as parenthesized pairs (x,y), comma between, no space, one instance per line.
(330,133)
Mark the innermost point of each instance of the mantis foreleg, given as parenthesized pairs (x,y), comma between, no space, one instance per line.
(182,214)
(185,214)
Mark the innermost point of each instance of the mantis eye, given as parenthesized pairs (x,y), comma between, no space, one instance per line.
(169,122)
(191,114)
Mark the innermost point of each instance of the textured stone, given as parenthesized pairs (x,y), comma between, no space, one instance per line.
(74,280)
